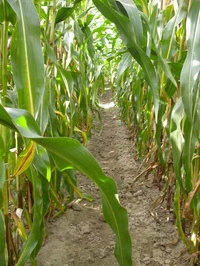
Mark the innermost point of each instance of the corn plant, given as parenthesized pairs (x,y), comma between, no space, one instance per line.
(158,94)
(49,85)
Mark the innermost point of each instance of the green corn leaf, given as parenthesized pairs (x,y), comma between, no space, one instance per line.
(3,249)
(177,140)
(64,13)
(6,121)
(163,62)
(129,9)
(2,178)
(191,134)
(45,195)
(2,18)
(65,152)
(136,95)
(26,56)
(127,27)
(169,33)
(6,12)
(191,65)
(152,22)
(24,121)
(159,132)
(78,33)
(42,161)
(196,107)
(123,65)
(43,115)
(188,152)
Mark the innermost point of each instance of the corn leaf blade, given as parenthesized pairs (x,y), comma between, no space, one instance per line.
(3,250)
(191,65)
(26,52)
(66,152)
(177,140)
(169,40)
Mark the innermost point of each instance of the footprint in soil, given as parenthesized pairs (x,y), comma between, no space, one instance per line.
(80,237)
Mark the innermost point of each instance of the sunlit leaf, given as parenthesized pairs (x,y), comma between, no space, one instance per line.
(3,248)
(64,13)
(169,44)
(177,140)
(26,56)
(191,65)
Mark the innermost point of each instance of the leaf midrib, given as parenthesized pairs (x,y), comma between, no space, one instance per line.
(25,36)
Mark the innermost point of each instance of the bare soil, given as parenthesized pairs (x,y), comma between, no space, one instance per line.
(81,237)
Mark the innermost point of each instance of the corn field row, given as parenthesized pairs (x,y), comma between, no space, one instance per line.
(55,57)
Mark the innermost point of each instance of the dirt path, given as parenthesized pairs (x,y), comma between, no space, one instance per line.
(81,237)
